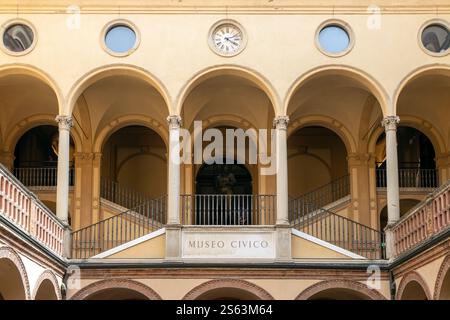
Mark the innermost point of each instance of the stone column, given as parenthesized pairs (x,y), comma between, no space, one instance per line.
(393,203)
(173,227)
(283,231)
(62,190)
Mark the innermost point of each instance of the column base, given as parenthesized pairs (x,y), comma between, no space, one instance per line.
(173,242)
(283,242)
(390,242)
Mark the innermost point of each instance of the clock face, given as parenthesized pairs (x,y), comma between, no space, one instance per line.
(227,39)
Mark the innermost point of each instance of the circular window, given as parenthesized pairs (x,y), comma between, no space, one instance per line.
(120,39)
(18,38)
(435,38)
(334,39)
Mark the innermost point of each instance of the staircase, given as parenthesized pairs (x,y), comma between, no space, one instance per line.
(307,214)
(146,215)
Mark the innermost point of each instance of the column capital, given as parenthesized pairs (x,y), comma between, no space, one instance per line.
(390,122)
(174,122)
(64,122)
(281,122)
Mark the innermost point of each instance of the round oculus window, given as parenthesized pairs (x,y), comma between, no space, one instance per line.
(120,39)
(436,38)
(18,38)
(334,39)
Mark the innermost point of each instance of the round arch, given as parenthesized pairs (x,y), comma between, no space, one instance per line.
(12,256)
(47,282)
(414,74)
(25,69)
(231,70)
(130,120)
(444,272)
(251,289)
(108,284)
(412,278)
(328,123)
(370,83)
(354,286)
(115,70)
(32,122)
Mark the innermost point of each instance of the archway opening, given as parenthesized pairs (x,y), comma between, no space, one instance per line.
(413,291)
(134,166)
(36,157)
(339,294)
(117,294)
(317,165)
(46,291)
(416,159)
(445,288)
(11,284)
(227,293)
(405,206)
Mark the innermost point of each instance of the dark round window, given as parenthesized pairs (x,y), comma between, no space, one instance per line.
(18,37)
(436,38)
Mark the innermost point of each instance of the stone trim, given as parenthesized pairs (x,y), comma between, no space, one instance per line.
(412,276)
(115,284)
(228,283)
(47,275)
(443,270)
(340,284)
(13,256)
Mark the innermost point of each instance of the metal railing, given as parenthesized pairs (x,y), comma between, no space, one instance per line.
(410,178)
(328,193)
(119,229)
(336,229)
(221,209)
(41,176)
(21,207)
(430,217)
(121,195)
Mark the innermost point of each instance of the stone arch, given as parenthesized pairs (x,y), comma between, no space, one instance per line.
(101,285)
(34,121)
(49,277)
(444,271)
(233,70)
(113,70)
(340,284)
(129,120)
(410,277)
(25,69)
(238,284)
(420,71)
(369,82)
(11,255)
(326,122)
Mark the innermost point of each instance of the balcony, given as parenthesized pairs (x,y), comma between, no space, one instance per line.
(410,178)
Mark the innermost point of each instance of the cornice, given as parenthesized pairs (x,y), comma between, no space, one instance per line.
(235,7)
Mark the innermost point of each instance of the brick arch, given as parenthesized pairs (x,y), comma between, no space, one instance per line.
(443,270)
(50,276)
(98,286)
(11,255)
(246,286)
(410,277)
(340,284)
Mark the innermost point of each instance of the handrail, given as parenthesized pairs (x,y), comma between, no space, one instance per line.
(410,178)
(41,176)
(118,229)
(327,193)
(121,195)
(25,210)
(335,229)
(426,219)
(223,209)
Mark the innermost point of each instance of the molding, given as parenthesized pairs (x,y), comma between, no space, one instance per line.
(11,255)
(327,245)
(130,244)
(412,276)
(443,271)
(47,275)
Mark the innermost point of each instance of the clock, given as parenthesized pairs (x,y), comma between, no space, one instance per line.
(227,38)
